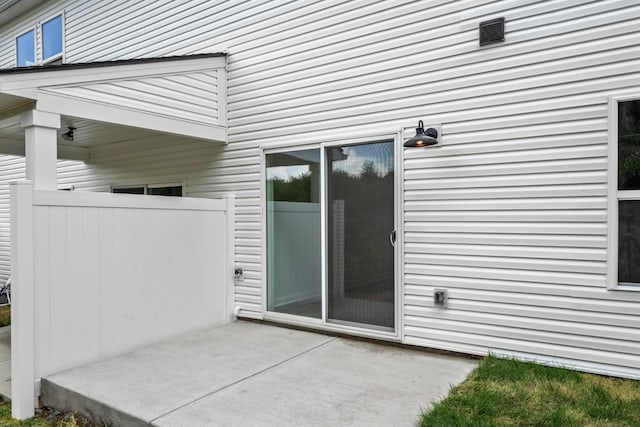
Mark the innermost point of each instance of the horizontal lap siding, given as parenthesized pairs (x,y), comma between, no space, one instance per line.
(11,169)
(24,23)
(172,96)
(509,214)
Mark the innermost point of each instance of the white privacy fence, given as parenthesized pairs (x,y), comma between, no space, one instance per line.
(97,274)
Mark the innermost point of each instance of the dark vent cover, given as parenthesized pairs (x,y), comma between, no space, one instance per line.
(492,31)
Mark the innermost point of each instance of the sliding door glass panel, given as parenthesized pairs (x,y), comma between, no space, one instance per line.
(360,223)
(294,270)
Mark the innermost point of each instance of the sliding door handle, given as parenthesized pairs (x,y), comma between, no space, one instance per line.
(392,238)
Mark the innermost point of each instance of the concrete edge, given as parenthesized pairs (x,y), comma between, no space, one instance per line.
(63,399)
(380,341)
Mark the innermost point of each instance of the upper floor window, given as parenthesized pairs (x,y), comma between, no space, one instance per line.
(43,44)
(624,182)
(52,38)
(26,49)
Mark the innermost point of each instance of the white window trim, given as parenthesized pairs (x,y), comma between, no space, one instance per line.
(323,323)
(614,195)
(264,151)
(60,55)
(35,45)
(38,46)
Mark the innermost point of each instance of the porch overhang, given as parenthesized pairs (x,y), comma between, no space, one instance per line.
(184,96)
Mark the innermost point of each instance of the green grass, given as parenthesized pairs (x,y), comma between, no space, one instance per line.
(500,392)
(43,419)
(503,392)
(5,315)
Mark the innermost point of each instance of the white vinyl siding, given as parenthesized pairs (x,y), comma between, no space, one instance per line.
(509,215)
(12,168)
(47,47)
(177,96)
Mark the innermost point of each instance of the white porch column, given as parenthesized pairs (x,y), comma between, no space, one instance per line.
(41,148)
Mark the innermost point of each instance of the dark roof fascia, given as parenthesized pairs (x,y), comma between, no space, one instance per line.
(77,66)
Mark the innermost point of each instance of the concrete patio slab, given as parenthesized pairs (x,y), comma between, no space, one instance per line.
(5,362)
(249,373)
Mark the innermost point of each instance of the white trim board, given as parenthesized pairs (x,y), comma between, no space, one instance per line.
(131,201)
(128,117)
(614,196)
(323,324)
(57,78)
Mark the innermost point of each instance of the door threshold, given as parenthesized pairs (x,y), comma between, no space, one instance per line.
(317,325)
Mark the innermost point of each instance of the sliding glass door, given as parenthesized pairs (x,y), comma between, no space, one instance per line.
(360,225)
(359,257)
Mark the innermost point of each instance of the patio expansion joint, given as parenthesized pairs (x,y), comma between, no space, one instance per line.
(282,362)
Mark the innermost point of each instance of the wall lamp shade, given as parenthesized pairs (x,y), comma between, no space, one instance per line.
(68,135)
(423,138)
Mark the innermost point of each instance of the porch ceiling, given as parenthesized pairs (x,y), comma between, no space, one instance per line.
(10,102)
(88,133)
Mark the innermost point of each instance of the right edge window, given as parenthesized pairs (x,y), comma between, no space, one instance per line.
(626,198)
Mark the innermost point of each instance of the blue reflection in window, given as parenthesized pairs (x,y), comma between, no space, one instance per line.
(52,38)
(25,45)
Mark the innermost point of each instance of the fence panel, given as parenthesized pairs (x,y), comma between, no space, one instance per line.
(114,272)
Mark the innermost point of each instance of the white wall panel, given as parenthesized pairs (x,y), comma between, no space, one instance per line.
(509,214)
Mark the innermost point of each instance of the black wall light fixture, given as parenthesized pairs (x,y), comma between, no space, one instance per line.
(68,135)
(423,138)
